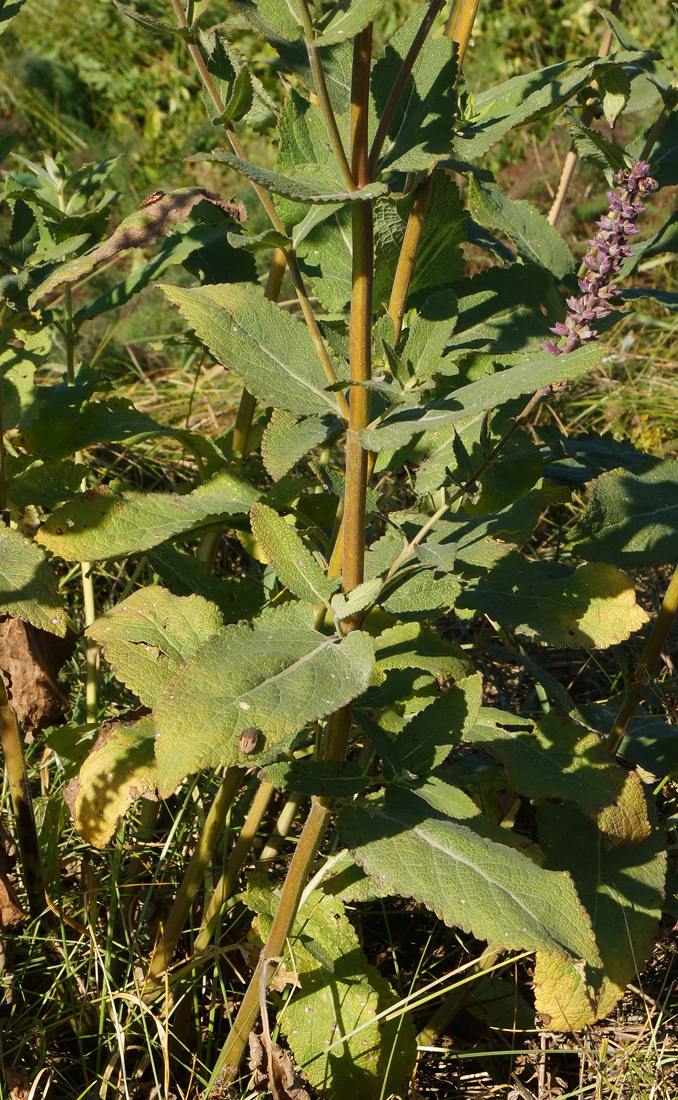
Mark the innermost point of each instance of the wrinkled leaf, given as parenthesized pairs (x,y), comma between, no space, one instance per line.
(28,587)
(294,564)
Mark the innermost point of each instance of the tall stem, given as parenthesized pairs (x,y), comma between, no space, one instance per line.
(587,116)
(27,834)
(230,785)
(266,202)
(636,683)
(460,24)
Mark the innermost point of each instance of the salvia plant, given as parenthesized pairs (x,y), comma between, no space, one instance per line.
(383,479)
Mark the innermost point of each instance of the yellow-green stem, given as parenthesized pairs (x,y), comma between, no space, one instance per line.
(638,680)
(282,827)
(460,24)
(305,852)
(233,866)
(230,785)
(27,835)
(408,255)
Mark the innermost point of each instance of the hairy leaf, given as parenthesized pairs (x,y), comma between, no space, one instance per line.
(271,352)
(429,332)
(276,675)
(294,564)
(29,587)
(119,770)
(426,740)
(338,994)
(632,518)
(147,636)
(347,19)
(102,523)
(622,890)
(555,757)
(326,778)
(287,438)
(536,240)
(236,598)
(594,606)
(484,394)
(485,888)
(312,183)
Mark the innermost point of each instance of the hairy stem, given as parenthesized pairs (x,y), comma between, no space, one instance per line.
(637,682)
(27,834)
(587,116)
(230,785)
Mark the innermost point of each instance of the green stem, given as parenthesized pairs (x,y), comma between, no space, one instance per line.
(460,24)
(637,682)
(323,97)
(400,82)
(267,204)
(235,861)
(230,785)
(305,852)
(408,255)
(282,827)
(27,834)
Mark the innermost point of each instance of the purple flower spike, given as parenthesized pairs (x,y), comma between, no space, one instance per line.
(606,254)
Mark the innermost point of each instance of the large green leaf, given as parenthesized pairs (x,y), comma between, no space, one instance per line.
(422,594)
(594,606)
(147,636)
(338,994)
(632,519)
(429,332)
(535,239)
(555,757)
(486,393)
(119,770)
(440,260)
(426,740)
(29,588)
(525,98)
(102,523)
(488,889)
(8,9)
(292,561)
(423,126)
(347,19)
(622,889)
(276,675)
(268,349)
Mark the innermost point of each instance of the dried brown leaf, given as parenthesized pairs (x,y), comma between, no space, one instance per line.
(30,660)
(274,1072)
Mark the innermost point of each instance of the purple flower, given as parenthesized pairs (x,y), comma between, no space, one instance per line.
(606,254)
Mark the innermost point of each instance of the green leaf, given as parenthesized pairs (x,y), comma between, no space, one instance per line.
(429,333)
(269,238)
(591,146)
(525,98)
(236,598)
(555,757)
(440,260)
(423,126)
(488,889)
(666,298)
(294,565)
(312,184)
(422,594)
(8,9)
(345,604)
(411,645)
(102,523)
(325,778)
(268,349)
(593,606)
(29,589)
(150,23)
(347,19)
(616,89)
(536,240)
(486,393)
(427,739)
(621,888)
(147,636)
(118,770)
(44,484)
(451,802)
(632,519)
(287,438)
(277,674)
(335,999)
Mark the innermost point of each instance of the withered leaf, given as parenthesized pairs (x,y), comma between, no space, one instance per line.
(30,660)
(274,1072)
